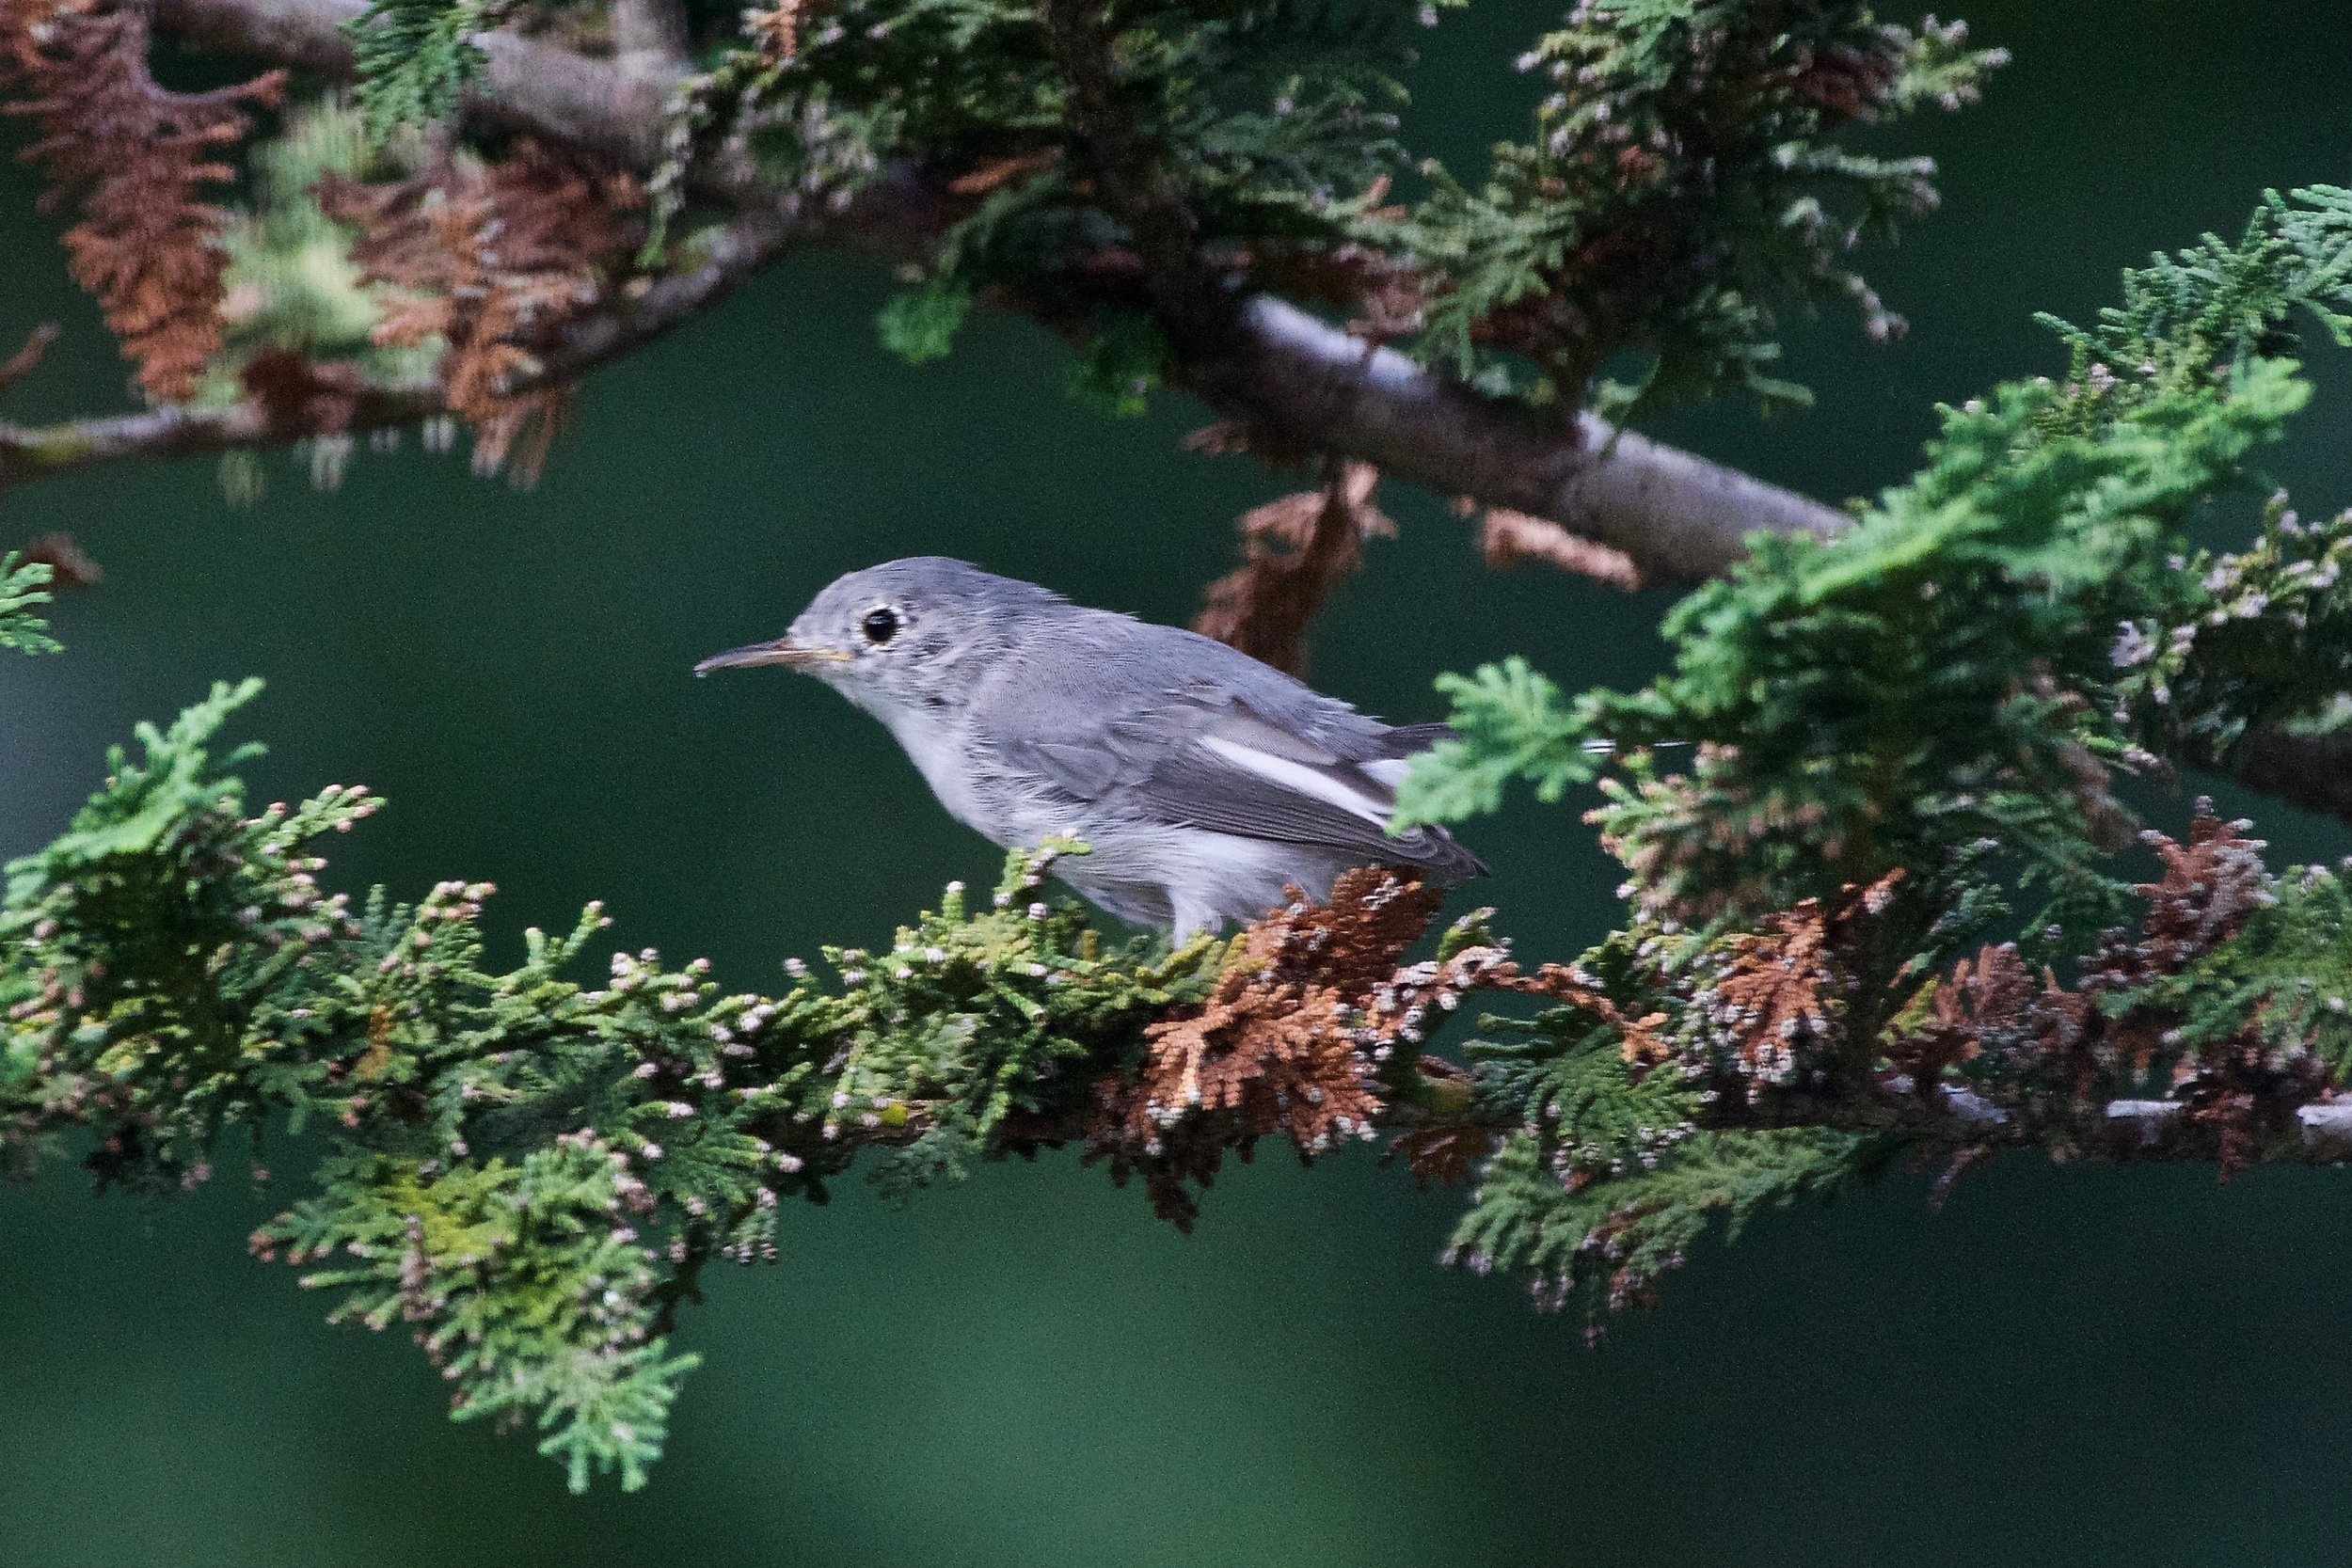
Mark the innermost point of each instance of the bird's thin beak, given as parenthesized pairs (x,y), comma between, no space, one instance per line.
(781,650)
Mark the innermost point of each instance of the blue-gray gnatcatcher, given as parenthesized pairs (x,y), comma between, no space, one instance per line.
(1201,781)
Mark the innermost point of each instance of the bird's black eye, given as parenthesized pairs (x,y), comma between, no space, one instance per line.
(879,626)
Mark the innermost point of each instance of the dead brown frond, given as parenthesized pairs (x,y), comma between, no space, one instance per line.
(493,260)
(1779,989)
(69,565)
(989,173)
(1445,1151)
(1506,538)
(298,396)
(1294,551)
(1271,445)
(1783,987)
(17,366)
(1285,1043)
(776,31)
(138,156)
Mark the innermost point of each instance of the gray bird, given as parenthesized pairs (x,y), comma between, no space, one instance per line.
(1201,781)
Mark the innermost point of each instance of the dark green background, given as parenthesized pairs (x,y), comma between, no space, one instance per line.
(2075,1365)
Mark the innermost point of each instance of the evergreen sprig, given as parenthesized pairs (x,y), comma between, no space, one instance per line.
(1683,182)
(1530,1214)
(525,1170)
(416,59)
(1687,181)
(24,589)
(1949,670)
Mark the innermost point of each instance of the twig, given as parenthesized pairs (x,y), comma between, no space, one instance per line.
(20,364)
(588,341)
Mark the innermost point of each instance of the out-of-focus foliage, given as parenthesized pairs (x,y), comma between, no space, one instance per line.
(416,58)
(139,161)
(23,588)
(1684,180)
(1127,172)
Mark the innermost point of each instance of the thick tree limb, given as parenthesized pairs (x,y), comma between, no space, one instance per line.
(2313,772)
(527,87)
(1677,516)
(650,38)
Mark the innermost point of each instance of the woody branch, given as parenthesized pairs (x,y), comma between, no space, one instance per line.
(1678,516)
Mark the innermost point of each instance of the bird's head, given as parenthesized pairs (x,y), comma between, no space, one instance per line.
(911,633)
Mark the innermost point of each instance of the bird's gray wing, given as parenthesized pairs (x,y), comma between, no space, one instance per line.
(1189,740)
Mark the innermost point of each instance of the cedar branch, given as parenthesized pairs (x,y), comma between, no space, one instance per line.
(1679,517)
(1675,516)
(593,340)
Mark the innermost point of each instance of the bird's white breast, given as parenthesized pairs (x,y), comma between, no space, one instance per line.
(934,740)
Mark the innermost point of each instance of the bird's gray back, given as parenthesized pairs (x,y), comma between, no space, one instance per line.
(1152,723)
(1076,664)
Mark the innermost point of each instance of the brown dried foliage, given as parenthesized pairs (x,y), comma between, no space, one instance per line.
(69,565)
(493,260)
(1386,295)
(1780,988)
(2233,1089)
(989,173)
(1989,998)
(298,396)
(777,32)
(1506,538)
(1283,1043)
(1786,986)
(2211,886)
(138,156)
(1271,445)
(1446,1150)
(1847,82)
(17,366)
(1294,551)
(1311,1006)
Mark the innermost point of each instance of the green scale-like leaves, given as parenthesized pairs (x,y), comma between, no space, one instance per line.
(416,58)
(527,1170)
(1929,708)
(23,588)
(1948,671)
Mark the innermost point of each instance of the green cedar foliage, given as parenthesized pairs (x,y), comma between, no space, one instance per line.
(525,1170)
(1686,181)
(1683,182)
(1531,1214)
(24,587)
(1950,670)
(1899,733)
(416,58)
